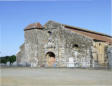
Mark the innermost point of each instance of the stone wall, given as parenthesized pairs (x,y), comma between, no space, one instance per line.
(77,47)
(20,56)
(62,42)
(71,49)
(99,53)
(109,52)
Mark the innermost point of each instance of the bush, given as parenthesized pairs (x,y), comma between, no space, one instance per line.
(6,59)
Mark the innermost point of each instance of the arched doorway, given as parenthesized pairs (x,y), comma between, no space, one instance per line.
(50,59)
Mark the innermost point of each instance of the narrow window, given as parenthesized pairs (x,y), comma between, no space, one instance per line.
(50,33)
(75,46)
(99,44)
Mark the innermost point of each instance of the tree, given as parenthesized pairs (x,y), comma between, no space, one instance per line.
(6,59)
(12,59)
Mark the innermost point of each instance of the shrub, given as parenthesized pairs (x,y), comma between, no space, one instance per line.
(6,59)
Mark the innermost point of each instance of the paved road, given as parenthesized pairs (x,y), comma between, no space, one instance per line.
(54,77)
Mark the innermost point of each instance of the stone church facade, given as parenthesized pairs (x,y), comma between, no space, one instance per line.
(60,45)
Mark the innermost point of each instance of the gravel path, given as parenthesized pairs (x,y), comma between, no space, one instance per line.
(54,77)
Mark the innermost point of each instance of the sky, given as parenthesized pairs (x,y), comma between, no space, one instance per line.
(15,15)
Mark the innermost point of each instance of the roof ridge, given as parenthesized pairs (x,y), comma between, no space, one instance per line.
(84,29)
(87,30)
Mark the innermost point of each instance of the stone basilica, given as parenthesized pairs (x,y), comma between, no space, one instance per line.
(59,45)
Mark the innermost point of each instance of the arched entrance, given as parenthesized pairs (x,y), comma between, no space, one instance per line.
(50,59)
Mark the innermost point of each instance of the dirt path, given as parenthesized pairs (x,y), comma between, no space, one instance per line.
(54,77)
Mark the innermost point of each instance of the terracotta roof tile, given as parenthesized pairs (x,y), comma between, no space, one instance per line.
(34,26)
(92,34)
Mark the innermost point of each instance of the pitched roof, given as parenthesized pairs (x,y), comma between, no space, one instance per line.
(89,33)
(94,35)
(34,26)
(86,30)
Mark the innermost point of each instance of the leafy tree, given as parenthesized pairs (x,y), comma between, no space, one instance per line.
(3,60)
(6,59)
(12,59)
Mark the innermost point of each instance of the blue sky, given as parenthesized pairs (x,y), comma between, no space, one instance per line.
(15,16)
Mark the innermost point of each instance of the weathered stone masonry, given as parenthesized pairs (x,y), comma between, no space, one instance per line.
(55,45)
